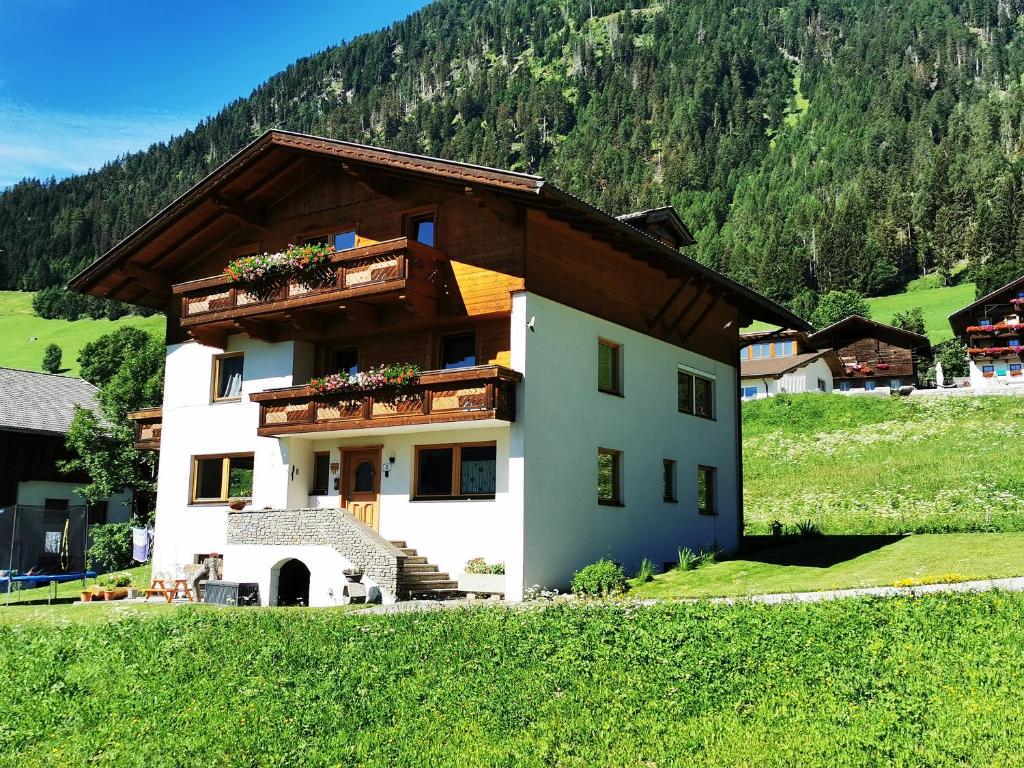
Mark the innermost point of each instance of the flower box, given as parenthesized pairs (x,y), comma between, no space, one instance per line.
(389,383)
(266,275)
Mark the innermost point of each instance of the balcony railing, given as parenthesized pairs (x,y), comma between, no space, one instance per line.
(148,424)
(399,270)
(463,394)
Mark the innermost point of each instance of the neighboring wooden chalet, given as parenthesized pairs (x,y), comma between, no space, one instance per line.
(991,328)
(775,362)
(576,392)
(35,414)
(874,355)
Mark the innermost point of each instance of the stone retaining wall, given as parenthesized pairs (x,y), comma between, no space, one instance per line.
(357,543)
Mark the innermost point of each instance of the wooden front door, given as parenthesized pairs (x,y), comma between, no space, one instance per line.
(361,487)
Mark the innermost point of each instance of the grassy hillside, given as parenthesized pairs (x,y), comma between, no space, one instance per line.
(936,301)
(884,465)
(810,564)
(23,336)
(844,683)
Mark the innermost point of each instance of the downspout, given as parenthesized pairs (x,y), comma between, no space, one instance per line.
(739,450)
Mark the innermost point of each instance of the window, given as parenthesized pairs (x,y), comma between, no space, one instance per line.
(219,478)
(695,394)
(227,376)
(988,369)
(458,351)
(609,477)
(895,384)
(344,361)
(421,229)
(1014,366)
(668,480)
(822,386)
(745,353)
(985,321)
(706,490)
(870,385)
(1013,342)
(609,373)
(345,241)
(749,392)
(321,473)
(844,386)
(783,348)
(56,505)
(464,471)
(98,512)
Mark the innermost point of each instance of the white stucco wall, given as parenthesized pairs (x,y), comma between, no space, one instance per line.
(803,379)
(36,492)
(260,563)
(566,419)
(1002,379)
(193,426)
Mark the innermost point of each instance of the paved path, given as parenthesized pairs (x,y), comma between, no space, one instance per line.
(1015,584)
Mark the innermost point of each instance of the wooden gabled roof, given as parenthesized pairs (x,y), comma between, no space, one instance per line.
(139,269)
(964,317)
(856,326)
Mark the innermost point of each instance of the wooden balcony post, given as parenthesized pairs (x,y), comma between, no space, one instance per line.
(489,395)
(428,400)
(368,407)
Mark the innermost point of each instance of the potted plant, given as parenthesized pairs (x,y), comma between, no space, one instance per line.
(236,503)
(86,595)
(483,577)
(115,586)
(355,575)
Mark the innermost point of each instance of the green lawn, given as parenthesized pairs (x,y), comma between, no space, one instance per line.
(937,303)
(71,590)
(839,562)
(867,465)
(24,337)
(925,681)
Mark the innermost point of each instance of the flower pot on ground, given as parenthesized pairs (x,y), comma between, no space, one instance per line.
(86,595)
(355,575)
(117,593)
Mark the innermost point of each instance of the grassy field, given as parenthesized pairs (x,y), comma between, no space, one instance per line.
(867,465)
(839,562)
(23,336)
(937,302)
(926,681)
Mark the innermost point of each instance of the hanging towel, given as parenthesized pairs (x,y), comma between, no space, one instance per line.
(141,544)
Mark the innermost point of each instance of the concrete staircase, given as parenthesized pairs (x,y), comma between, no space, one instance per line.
(421,580)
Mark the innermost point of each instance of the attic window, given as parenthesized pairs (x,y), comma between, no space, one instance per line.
(421,229)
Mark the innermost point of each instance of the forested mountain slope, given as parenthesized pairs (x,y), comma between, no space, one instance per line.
(809,144)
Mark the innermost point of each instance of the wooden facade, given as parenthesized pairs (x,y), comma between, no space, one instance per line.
(873,352)
(394,298)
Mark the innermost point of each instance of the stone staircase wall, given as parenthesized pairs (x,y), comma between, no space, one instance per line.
(357,543)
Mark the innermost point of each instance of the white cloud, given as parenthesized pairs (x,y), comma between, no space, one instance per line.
(47,143)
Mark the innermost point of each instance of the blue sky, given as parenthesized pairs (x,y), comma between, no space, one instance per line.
(81,81)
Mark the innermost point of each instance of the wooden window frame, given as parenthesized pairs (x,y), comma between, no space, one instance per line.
(411,214)
(616,500)
(327,488)
(712,481)
(329,233)
(439,347)
(669,491)
(617,388)
(225,479)
(457,494)
(215,377)
(694,375)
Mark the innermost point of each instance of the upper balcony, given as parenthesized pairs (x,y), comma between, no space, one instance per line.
(459,394)
(355,283)
(148,425)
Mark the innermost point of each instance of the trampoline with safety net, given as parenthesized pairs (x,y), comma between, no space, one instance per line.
(41,546)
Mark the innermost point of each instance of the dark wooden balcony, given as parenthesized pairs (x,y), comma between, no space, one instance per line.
(148,425)
(355,284)
(462,394)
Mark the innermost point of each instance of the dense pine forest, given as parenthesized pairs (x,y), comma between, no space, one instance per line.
(811,145)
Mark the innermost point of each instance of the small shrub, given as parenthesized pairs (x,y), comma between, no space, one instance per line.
(645,573)
(687,559)
(808,529)
(52,358)
(599,579)
(537,592)
(479,565)
(111,548)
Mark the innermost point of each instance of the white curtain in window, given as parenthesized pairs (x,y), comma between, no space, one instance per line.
(233,385)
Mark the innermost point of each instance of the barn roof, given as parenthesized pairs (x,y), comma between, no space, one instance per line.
(41,402)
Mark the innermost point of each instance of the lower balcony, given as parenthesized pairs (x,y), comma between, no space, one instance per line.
(148,425)
(462,394)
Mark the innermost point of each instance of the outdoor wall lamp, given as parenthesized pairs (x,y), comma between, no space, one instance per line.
(389,463)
